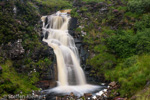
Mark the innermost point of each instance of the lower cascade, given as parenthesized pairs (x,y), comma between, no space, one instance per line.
(71,77)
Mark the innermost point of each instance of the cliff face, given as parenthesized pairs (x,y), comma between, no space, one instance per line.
(24,58)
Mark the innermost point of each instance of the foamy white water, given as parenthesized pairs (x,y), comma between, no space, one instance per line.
(71,77)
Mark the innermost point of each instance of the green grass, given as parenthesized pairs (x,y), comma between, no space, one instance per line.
(143,94)
(139,6)
(132,15)
(92,1)
(55,3)
(122,52)
(132,74)
(13,83)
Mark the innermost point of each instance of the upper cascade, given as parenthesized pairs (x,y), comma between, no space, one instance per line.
(71,77)
(55,27)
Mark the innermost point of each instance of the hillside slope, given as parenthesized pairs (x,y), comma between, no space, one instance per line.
(117,36)
(24,58)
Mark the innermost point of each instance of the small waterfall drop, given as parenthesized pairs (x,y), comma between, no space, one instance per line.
(71,77)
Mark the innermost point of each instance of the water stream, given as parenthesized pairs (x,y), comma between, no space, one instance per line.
(71,77)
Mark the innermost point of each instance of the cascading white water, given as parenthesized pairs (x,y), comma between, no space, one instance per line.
(70,74)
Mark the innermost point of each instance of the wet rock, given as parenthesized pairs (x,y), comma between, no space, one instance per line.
(83,33)
(48,26)
(76,40)
(79,11)
(18,21)
(53,96)
(77,3)
(119,98)
(42,36)
(2,81)
(115,11)
(46,20)
(147,84)
(100,5)
(87,68)
(73,24)
(45,84)
(15,50)
(15,10)
(103,10)
(71,94)
(1,69)
(87,95)
(134,97)
(58,98)
(46,34)
(112,84)
(43,51)
(72,33)
(47,76)
(2,3)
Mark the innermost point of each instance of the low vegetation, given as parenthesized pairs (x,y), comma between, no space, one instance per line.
(119,42)
(55,3)
(19,74)
(15,83)
(132,74)
(88,1)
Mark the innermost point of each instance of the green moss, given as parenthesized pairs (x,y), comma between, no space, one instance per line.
(107,30)
(143,23)
(122,8)
(101,62)
(92,1)
(126,43)
(55,3)
(132,15)
(143,94)
(13,82)
(74,13)
(139,6)
(132,74)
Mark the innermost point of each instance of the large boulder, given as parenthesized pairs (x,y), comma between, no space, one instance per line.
(43,51)
(112,84)
(17,50)
(72,33)
(45,84)
(73,24)
(14,50)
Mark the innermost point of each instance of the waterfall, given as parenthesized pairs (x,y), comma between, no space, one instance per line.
(70,73)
